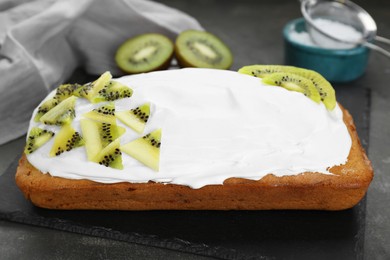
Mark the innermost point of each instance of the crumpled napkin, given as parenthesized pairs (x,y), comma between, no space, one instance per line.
(43,41)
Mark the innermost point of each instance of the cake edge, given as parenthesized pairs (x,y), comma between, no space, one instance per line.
(307,191)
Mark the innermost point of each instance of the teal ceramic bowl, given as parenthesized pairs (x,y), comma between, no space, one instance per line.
(335,65)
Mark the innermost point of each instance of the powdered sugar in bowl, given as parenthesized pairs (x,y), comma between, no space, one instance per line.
(337,62)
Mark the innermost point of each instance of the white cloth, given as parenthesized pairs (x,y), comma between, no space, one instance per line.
(43,41)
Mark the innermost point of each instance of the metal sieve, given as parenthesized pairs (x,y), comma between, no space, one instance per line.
(345,12)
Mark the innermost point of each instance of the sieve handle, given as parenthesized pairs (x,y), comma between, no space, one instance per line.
(382,39)
(377,48)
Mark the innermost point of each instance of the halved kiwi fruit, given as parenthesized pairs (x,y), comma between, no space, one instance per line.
(202,49)
(36,138)
(325,89)
(145,149)
(144,53)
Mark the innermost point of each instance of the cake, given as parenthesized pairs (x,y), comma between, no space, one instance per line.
(228,141)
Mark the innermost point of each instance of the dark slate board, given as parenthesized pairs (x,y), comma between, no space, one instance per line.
(222,234)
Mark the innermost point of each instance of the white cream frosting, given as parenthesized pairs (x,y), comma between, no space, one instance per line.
(216,124)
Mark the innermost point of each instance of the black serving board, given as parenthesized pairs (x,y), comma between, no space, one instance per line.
(292,234)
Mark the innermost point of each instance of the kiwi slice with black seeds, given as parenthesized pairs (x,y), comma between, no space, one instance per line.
(294,82)
(61,114)
(110,156)
(112,91)
(325,89)
(66,139)
(104,114)
(62,92)
(98,135)
(90,90)
(144,53)
(136,118)
(261,71)
(36,138)
(145,149)
(202,49)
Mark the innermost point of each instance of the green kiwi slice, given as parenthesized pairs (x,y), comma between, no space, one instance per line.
(325,89)
(36,138)
(61,114)
(112,91)
(202,49)
(98,135)
(104,114)
(110,156)
(144,53)
(261,71)
(294,82)
(66,139)
(327,92)
(145,149)
(63,92)
(90,90)
(136,118)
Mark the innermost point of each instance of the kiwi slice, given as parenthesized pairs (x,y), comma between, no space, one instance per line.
(104,114)
(202,49)
(90,90)
(36,138)
(63,92)
(112,91)
(136,118)
(146,149)
(325,89)
(144,53)
(98,135)
(294,82)
(61,114)
(110,156)
(66,139)
(261,71)
(327,92)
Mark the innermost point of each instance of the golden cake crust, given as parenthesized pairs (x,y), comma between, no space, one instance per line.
(309,190)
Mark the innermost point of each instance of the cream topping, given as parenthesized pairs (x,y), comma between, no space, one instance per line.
(216,124)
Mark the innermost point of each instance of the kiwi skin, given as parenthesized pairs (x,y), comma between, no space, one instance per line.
(163,66)
(185,63)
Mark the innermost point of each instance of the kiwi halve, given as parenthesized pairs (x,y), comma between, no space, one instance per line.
(90,90)
(110,156)
(66,139)
(202,49)
(112,91)
(293,82)
(136,118)
(104,114)
(98,135)
(61,114)
(36,138)
(146,149)
(325,89)
(144,53)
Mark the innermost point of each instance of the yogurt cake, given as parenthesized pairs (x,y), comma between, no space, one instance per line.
(228,141)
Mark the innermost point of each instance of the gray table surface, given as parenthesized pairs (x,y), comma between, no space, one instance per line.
(253,31)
